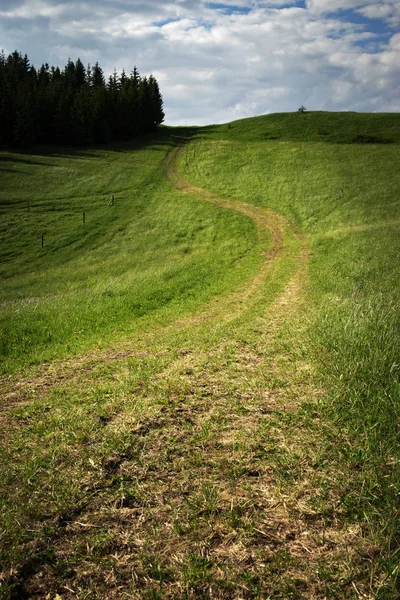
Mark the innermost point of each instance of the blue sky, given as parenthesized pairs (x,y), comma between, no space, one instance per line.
(219,61)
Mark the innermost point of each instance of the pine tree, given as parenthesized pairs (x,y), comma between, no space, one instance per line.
(146,122)
(44,104)
(80,73)
(97,78)
(156,102)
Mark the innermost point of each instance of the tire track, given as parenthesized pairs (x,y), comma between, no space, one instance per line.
(225,308)
(271,227)
(220,414)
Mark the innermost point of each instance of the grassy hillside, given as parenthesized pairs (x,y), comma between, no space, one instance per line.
(152,255)
(218,414)
(346,198)
(311,126)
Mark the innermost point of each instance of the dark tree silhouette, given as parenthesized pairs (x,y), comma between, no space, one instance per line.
(74,105)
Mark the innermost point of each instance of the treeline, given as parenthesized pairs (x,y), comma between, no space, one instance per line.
(75,105)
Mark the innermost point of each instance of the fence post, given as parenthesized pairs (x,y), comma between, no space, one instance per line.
(42,240)
(84,217)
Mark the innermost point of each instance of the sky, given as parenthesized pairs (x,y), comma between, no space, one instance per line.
(217,62)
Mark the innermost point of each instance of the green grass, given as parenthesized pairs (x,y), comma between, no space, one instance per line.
(230,425)
(153,255)
(346,198)
(312,126)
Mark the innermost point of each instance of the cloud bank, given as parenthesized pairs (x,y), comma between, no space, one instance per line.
(216,62)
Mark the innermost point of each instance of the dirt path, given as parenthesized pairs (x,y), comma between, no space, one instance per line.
(271,230)
(270,226)
(220,489)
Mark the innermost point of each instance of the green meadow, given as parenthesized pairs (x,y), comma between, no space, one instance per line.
(151,255)
(201,380)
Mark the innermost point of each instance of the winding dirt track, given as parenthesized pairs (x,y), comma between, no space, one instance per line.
(271,229)
(213,449)
(270,226)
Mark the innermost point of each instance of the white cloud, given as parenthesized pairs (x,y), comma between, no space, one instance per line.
(330,6)
(214,66)
(390,12)
(376,11)
(35,8)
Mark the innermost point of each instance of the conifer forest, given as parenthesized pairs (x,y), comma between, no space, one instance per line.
(75,106)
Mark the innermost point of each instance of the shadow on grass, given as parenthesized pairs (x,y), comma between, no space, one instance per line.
(162,136)
(15,157)
(13,171)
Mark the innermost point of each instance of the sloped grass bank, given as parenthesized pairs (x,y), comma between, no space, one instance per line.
(315,126)
(357,338)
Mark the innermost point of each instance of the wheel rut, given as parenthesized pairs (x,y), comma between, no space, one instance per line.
(271,229)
